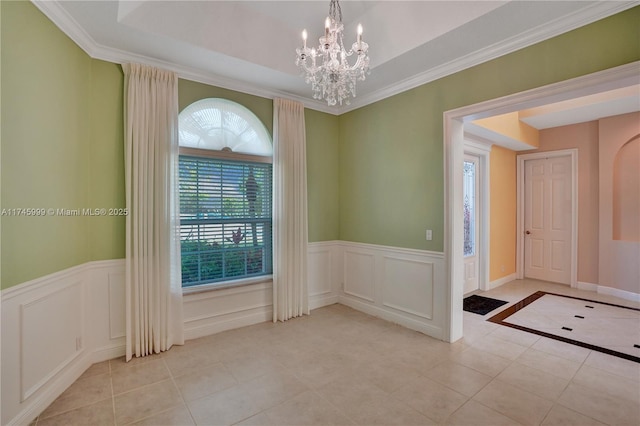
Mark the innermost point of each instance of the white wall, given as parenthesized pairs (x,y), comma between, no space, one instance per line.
(55,327)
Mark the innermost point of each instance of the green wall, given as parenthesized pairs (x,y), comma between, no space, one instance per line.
(375,174)
(323,179)
(62,148)
(45,126)
(391,152)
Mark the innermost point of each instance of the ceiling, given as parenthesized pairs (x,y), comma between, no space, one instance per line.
(249,46)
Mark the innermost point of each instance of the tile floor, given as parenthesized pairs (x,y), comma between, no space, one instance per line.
(339,366)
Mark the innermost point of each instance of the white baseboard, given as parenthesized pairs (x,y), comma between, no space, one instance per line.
(396,318)
(587,286)
(609,291)
(502,281)
(228,324)
(321,300)
(623,294)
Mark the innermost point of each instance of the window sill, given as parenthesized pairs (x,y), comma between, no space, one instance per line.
(227,284)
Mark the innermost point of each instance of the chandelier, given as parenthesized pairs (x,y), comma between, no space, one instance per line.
(327,67)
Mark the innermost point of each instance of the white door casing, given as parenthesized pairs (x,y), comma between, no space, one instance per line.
(547,216)
(453,143)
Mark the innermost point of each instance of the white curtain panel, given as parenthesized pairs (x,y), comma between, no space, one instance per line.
(290,235)
(154,320)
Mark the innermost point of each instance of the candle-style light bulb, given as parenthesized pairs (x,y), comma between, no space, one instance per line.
(304,38)
(327,24)
(359,33)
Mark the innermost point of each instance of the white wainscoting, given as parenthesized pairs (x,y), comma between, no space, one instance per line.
(324,273)
(214,311)
(401,285)
(53,329)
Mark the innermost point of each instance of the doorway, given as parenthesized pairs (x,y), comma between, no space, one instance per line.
(547,216)
(454,136)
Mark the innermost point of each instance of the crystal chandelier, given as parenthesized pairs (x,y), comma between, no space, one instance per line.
(327,68)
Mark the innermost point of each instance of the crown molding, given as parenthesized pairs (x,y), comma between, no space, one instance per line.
(599,10)
(68,25)
(588,15)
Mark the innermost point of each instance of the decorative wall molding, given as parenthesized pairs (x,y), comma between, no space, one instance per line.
(401,285)
(54,327)
(324,273)
(408,288)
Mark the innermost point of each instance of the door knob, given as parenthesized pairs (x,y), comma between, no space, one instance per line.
(527,232)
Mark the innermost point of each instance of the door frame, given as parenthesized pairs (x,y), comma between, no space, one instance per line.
(520,200)
(482,150)
(453,146)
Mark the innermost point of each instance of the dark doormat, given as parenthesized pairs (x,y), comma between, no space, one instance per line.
(481,305)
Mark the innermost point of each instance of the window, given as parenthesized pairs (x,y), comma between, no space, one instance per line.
(225,177)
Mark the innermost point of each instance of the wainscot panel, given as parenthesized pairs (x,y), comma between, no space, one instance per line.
(53,329)
(405,286)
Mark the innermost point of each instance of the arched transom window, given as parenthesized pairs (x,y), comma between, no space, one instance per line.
(225,194)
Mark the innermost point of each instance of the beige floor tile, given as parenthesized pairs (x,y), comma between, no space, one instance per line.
(339,366)
(513,335)
(481,361)
(181,362)
(120,362)
(226,407)
(250,366)
(320,367)
(611,384)
(387,411)
(308,408)
(210,379)
(562,349)
(98,414)
(127,378)
(619,366)
(499,347)
(461,379)
(562,416)
(552,364)
(174,416)
(96,369)
(430,398)
(81,393)
(524,407)
(536,381)
(146,401)
(351,391)
(242,401)
(600,406)
(473,413)
(387,374)
(260,419)
(275,388)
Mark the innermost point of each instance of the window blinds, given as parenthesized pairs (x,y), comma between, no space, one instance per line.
(225,219)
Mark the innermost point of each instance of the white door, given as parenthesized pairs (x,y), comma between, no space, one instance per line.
(471,222)
(547,219)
